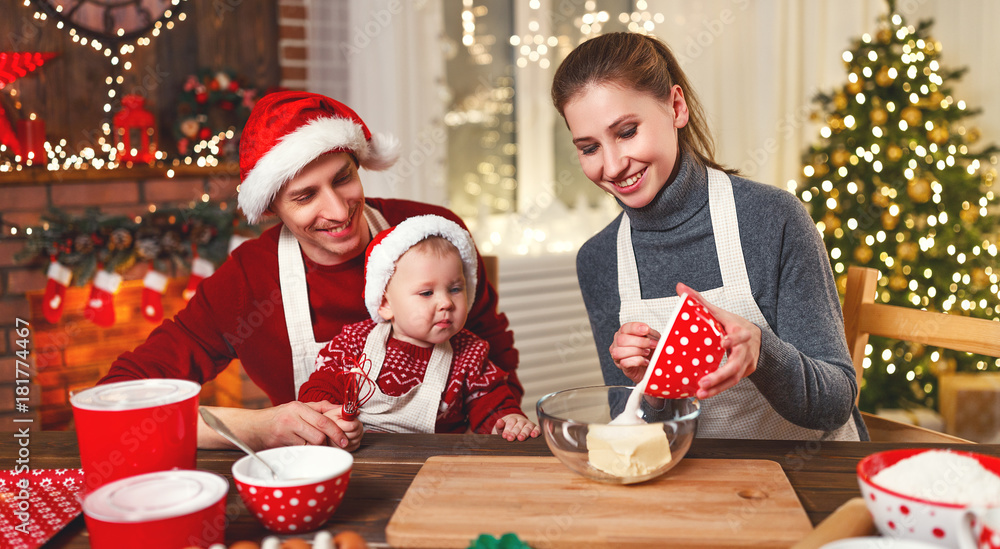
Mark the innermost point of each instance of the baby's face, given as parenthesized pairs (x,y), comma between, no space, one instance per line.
(426,298)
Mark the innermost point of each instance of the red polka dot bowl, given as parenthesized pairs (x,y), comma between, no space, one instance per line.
(903,516)
(310,486)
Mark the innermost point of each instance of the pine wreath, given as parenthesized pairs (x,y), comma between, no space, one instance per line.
(210,104)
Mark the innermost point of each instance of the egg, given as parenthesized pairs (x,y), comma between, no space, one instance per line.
(349,540)
(295,543)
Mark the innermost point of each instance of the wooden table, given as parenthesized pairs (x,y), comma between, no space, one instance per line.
(822,473)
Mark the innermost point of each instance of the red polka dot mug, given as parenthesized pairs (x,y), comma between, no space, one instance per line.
(689,348)
(980,529)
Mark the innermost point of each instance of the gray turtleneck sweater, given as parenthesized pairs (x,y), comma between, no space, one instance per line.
(804,369)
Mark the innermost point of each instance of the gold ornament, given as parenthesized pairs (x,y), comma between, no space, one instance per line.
(884,35)
(935,100)
(880,200)
(911,115)
(889,221)
(821,169)
(840,100)
(894,152)
(882,77)
(938,134)
(854,88)
(907,251)
(863,254)
(835,122)
(980,279)
(972,135)
(878,116)
(969,215)
(919,190)
(840,157)
(897,282)
(831,223)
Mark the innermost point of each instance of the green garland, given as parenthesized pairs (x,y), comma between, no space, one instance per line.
(167,238)
(211,102)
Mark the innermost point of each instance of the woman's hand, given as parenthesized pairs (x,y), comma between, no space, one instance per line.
(633,345)
(741,343)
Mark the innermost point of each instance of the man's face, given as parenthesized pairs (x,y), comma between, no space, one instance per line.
(323,206)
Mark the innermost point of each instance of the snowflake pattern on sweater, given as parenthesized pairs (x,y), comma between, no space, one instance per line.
(475,396)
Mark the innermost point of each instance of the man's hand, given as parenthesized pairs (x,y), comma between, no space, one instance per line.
(290,424)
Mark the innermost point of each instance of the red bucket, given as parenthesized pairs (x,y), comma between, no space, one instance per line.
(163,510)
(134,427)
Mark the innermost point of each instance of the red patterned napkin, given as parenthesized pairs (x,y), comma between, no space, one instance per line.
(51,505)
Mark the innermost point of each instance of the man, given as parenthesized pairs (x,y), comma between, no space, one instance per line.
(282,296)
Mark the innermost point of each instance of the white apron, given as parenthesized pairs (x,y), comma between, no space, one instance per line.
(417,410)
(295,299)
(741,411)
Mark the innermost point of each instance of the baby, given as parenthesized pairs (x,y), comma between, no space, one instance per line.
(426,373)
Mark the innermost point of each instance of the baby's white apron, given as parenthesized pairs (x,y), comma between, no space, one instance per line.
(741,411)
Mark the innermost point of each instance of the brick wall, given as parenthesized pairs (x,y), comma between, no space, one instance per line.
(292,50)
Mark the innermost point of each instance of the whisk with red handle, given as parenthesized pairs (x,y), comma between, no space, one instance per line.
(358,387)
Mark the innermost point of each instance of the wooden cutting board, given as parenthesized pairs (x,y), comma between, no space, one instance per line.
(700,503)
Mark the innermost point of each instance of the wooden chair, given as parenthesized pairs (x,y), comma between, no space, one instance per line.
(863,317)
(492,265)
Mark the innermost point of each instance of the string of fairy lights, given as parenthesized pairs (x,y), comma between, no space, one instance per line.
(104,154)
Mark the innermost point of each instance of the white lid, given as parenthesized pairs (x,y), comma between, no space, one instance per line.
(155,496)
(134,395)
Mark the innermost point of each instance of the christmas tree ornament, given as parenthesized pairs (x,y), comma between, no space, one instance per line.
(935,100)
(911,115)
(882,77)
(101,305)
(894,152)
(840,157)
(878,116)
(938,134)
(907,251)
(884,35)
(919,190)
(973,135)
(863,254)
(135,131)
(880,198)
(830,222)
(855,87)
(897,282)
(840,101)
(200,270)
(154,284)
(969,215)
(54,299)
(889,221)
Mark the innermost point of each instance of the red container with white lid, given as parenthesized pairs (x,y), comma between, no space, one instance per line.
(134,427)
(162,510)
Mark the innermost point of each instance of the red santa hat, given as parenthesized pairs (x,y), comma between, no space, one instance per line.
(389,245)
(289,129)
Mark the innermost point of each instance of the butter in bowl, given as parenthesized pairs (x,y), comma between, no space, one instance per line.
(577,426)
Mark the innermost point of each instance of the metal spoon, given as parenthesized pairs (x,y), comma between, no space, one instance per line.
(220,427)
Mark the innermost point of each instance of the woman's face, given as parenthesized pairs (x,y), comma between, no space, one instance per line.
(626,139)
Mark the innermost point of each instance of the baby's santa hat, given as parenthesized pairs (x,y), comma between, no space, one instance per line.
(289,129)
(389,245)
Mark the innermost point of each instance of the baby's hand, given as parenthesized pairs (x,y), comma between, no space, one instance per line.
(353,429)
(516,426)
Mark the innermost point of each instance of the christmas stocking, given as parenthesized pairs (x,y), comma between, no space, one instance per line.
(101,305)
(153,287)
(55,291)
(200,270)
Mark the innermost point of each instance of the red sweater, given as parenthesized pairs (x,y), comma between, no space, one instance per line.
(237,313)
(475,396)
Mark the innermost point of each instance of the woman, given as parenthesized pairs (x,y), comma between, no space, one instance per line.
(750,250)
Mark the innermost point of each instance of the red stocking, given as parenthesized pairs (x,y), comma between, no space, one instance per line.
(55,291)
(101,305)
(153,286)
(200,270)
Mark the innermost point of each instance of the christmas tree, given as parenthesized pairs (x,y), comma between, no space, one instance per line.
(897,184)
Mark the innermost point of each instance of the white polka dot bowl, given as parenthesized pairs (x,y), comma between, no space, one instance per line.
(575,424)
(904,516)
(310,486)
